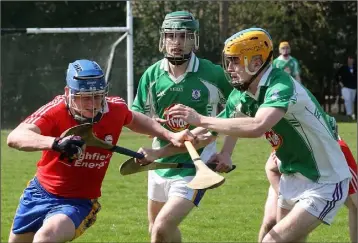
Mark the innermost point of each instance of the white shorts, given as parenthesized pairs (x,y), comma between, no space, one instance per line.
(160,188)
(321,200)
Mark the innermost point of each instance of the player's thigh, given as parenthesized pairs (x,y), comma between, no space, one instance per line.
(173,212)
(154,208)
(354,198)
(283,207)
(76,215)
(33,206)
(352,201)
(297,224)
(157,195)
(181,200)
(270,213)
(57,228)
(281,213)
(157,188)
(21,238)
(178,188)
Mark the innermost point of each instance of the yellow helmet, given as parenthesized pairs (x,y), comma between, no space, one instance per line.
(284,44)
(247,44)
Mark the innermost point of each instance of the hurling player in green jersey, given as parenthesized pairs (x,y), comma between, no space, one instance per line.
(287,62)
(273,175)
(180,77)
(267,101)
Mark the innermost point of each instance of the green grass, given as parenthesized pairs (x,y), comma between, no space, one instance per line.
(230,213)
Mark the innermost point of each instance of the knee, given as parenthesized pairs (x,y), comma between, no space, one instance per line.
(53,234)
(160,228)
(268,223)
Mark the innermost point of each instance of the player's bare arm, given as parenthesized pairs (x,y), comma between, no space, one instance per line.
(229,145)
(27,137)
(145,125)
(250,127)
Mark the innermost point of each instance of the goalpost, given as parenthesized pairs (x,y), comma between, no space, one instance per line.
(128,33)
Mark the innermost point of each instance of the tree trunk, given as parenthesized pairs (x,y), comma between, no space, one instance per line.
(224,20)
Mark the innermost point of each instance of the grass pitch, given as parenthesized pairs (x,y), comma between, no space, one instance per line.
(231,213)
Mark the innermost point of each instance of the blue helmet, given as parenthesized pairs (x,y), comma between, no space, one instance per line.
(85,78)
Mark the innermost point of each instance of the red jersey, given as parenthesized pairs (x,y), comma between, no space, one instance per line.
(83,177)
(353,185)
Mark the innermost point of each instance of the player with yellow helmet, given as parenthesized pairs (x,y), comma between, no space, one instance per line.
(253,43)
(287,62)
(268,102)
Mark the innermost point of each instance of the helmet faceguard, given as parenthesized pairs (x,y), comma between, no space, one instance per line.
(243,48)
(86,91)
(179,36)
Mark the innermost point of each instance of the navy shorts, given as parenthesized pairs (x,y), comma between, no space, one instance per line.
(36,205)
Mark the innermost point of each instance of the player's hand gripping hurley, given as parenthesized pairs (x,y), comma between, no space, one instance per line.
(85,132)
(205,178)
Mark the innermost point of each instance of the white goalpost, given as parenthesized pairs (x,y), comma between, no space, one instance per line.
(128,33)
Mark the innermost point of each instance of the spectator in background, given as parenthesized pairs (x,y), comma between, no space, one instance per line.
(286,62)
(346,77)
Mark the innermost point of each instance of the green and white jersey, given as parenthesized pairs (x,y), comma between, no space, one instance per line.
(203,87)
(304,140)
(290,66)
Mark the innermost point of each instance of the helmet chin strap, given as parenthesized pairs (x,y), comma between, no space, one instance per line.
(245,85)
(178,60)
(80,119)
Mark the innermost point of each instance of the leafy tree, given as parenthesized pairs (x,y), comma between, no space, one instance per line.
(321,35)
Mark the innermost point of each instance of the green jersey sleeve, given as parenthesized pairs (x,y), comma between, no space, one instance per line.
(279,93)
(143,101)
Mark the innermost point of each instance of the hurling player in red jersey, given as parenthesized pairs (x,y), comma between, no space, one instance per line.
(273,175)
(60,202)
